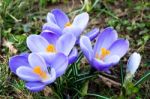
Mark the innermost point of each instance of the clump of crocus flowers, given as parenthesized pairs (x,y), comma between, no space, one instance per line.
(55,48)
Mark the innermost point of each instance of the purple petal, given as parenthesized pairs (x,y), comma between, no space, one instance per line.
(86,47)
(53,28)
(76,31)
(112,59)
(73,56)
(119,47)
(51,18)
(37,43)
(25,54)
(35,86)
(37,60)
(65,43)
(105,39)
(81,20)
(48,57)
(17,61)
(61,17)
(92,34)
(60,64)
(100,65)
(27,74)
(50,37)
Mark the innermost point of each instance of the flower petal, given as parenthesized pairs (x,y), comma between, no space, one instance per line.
(60,64)
(52,27)
(35,86)
(133,63)
(65,43)
(81,20)
(86,47)
(92,34)
(37,60)
(26,73)
(119,47)
(73,55)
(48,57)
(76,31)
(51,18)
(51,77)
(105,39)
(50,37)
(61,17)
(114,59)
(17,61)
(37,43)
(100,65)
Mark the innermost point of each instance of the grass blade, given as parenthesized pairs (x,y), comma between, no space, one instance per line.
(144,78)
(84,78)
(122,78)
(98,96)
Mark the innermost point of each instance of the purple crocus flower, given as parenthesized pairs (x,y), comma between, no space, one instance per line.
(33,69)
(107,51)
(59,23)
(48,44)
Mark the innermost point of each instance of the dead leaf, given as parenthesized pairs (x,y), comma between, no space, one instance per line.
(109,82)
(48,91)
(9,45)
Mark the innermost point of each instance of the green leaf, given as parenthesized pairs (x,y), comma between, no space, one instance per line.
(130,89)
(84,78)
(43,3)
(98,96)
(27,27)
(122,78)
(84,89)
(144,78)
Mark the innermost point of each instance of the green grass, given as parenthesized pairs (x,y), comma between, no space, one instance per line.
(131,19)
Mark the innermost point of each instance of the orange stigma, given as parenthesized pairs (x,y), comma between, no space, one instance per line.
(37,70)
(51,48)
(104,53)
(68,24)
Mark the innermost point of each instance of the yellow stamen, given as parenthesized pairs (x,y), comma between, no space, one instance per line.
(104,53)
(68,24)
(51,48)
(37,70)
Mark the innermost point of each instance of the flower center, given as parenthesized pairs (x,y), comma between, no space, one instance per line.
(104,53)
(51,48)
(68,24)
(37,70)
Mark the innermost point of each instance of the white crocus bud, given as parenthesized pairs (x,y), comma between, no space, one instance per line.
(133,63)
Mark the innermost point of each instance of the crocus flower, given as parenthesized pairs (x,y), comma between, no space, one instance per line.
(58,17)
(133,63)
(59,23)
(107,51)
(48,44)
(33,69)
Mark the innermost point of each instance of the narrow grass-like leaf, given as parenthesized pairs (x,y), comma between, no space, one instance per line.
(95,3)
(98,96)
(75,69)
(144,78)
(122,78)
(80,57)
(84,78)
